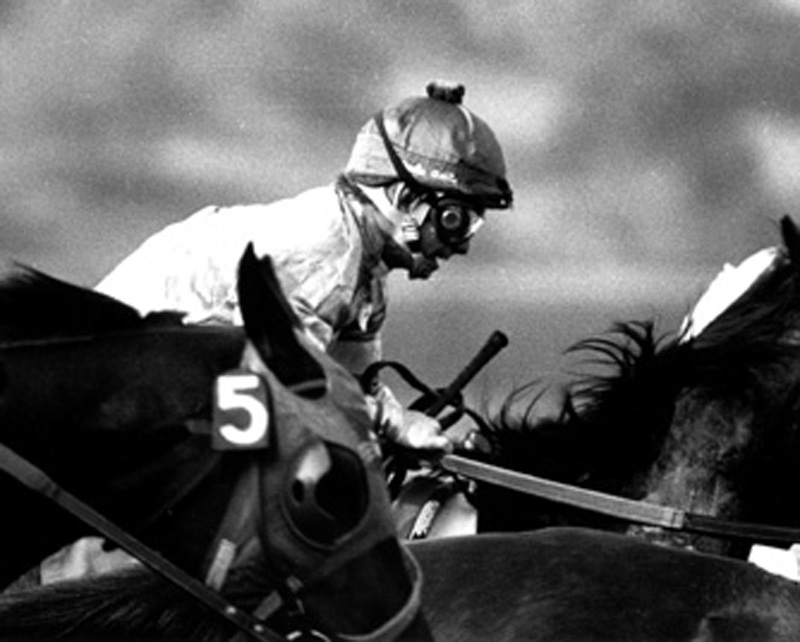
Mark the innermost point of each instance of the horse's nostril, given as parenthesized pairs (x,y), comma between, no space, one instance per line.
(298,491)
(321,500)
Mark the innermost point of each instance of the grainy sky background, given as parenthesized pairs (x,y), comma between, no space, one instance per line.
(647,141)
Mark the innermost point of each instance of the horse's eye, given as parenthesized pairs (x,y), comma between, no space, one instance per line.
(327,494)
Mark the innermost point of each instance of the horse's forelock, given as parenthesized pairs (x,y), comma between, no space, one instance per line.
(109,606)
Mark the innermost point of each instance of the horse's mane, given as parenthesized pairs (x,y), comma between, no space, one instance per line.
(130,603)
(613,423)
(605,420)
(109,607)
(34,305)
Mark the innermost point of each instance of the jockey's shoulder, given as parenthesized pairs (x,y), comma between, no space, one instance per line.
(310,205)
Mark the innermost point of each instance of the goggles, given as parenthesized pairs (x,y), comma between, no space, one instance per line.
(455,221)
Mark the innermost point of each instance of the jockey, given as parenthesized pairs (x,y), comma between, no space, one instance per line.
(419,180)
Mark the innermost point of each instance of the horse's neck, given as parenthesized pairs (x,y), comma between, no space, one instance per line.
(108,606)
(110,431)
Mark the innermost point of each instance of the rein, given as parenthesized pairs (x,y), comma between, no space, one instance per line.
(249,626)
(35,479)
(619,507)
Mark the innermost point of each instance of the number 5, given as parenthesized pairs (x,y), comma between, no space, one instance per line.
(241,416)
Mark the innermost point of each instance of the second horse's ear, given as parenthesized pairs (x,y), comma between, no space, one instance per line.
(272,326)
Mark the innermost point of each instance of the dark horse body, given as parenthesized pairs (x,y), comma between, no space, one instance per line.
(581,585)
(707,424)
(552,585)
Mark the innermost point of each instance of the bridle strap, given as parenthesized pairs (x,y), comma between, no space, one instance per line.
(619,507)
(35,479)
(395,626)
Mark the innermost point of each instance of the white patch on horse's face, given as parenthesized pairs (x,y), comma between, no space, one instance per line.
(731,283)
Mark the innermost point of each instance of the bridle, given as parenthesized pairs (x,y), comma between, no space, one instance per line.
(37,480)
(285,596)
(249,626)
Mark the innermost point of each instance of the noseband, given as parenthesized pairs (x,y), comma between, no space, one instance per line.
(240,532)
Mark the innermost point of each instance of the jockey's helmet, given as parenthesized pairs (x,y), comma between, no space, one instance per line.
(433,143)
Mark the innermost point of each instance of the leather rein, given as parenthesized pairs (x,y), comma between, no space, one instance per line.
(630,510)
(37,480)
(633,511)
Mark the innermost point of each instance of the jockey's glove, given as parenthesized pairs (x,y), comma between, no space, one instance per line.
(408,428)
(419,432)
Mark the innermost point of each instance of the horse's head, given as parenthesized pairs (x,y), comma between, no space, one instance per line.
(270,489)
(324,532)
(731,449)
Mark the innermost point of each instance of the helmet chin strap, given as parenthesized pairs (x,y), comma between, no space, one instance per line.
(419,267)
(409,231)
(397,255)
(403,229)
(422,267)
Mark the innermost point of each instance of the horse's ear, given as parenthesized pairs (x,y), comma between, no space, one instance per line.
(791,240)
(272,326)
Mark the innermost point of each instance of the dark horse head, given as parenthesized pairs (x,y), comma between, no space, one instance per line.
(705,422)
(242,455)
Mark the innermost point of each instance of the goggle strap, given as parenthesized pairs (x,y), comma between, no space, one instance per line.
(402,172)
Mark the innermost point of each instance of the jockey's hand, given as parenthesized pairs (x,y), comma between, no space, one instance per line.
(418,431)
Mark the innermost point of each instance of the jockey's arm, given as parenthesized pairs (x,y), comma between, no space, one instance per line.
(409,428)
